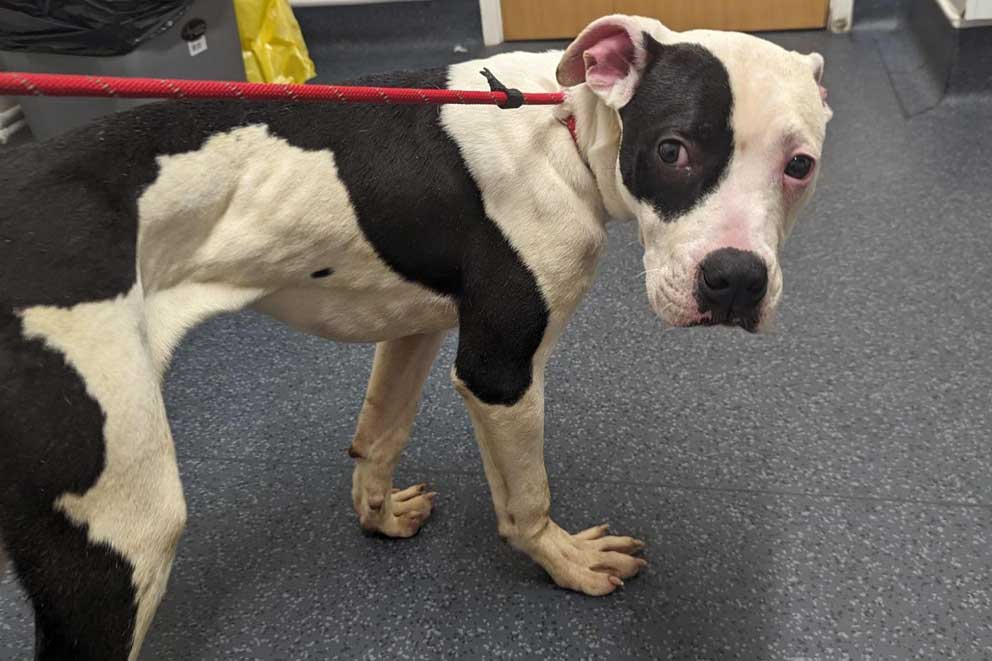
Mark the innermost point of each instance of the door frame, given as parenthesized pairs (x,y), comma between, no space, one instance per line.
(492,22)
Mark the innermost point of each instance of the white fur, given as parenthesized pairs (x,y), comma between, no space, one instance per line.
(136,505)
(263,224)
(250,233)
(534,186)
(246,218)
(171,312)
(751,209)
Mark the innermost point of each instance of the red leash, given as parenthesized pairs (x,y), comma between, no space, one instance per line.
(15,83)
(52,84)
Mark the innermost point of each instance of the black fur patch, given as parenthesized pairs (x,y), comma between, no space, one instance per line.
(684,94)
(67,235)
(51,443)
(421,210)
(322,273)
(68,222)
(68,232)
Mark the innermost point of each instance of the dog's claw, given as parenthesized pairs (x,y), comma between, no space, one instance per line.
(594,533)
(410,492)
(400,515)
(591,561)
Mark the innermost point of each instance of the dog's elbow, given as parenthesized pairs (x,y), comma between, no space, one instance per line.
(497,382)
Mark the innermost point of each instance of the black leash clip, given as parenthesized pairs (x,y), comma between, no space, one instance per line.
(514,97)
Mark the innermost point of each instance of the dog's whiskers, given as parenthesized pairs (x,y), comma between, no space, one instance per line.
(646,271)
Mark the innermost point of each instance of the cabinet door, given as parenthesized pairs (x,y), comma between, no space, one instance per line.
(550,19)
(978,10)
(562,19)
(742,15)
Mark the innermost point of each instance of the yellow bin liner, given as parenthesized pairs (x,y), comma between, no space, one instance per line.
(271,42)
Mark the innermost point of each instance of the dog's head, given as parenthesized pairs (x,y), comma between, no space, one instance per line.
(720,135)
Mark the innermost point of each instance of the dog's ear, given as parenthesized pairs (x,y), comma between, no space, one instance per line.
(816,60)
(609,56)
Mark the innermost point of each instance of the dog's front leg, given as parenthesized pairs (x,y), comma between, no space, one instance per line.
(398,374)
(511,437)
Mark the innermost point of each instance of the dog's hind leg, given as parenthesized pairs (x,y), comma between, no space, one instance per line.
(94,598)
(398,374)
(91,506)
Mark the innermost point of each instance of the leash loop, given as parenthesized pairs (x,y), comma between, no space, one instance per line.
(514,97)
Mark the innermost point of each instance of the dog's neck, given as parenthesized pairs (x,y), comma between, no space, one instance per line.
(597,137)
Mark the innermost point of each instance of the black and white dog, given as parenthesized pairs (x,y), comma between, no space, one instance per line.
(387,224)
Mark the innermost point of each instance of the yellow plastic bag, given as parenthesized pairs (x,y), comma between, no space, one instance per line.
(271,42)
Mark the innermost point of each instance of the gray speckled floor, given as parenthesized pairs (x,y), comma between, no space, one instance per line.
(823,492)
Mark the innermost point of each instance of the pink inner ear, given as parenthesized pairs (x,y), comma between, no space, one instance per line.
(823,94)
(609,60)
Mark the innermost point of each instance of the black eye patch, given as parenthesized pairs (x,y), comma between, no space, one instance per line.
(684,94)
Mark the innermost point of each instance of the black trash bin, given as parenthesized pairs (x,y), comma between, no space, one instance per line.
(195,39)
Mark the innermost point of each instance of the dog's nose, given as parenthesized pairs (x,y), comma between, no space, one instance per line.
(732,283)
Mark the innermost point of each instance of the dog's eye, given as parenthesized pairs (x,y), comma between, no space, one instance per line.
(799,167)
(674,153)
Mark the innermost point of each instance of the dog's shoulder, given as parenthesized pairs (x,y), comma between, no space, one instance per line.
(535,184)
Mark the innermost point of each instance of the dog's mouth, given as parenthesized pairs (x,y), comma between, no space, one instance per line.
(678,313)
(697,318)
(748,324)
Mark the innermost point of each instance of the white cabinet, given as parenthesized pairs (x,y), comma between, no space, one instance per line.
(977,10)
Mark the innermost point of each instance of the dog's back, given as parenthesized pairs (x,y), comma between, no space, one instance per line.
(91,505)
(90,501)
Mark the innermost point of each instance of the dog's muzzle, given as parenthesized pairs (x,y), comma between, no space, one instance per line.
(730,286)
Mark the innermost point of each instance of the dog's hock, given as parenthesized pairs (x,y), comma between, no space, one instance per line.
(608,56)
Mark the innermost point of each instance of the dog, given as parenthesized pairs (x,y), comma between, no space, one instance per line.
(385,224)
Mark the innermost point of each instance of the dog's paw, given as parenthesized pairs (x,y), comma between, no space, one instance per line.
(399,514)
(591,561)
